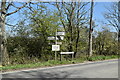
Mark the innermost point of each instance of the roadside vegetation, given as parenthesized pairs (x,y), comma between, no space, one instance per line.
(50,63)
(27,46)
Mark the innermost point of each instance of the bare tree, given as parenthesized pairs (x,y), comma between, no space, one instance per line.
(4,12)
(72,17)
(112,15)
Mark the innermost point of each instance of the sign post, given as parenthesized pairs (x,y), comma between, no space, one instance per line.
(55,48)
(60,33)
(58,36)
(62,53)
(56,44)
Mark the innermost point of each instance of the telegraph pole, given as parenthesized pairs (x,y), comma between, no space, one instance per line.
(90,31)
(0,37)
(119,36)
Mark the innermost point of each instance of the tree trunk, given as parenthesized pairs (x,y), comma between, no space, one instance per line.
(4,55)
(78,32)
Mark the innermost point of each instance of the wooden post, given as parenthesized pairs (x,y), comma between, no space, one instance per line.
(72,57)
(60,57)
(56,44)
(55,55)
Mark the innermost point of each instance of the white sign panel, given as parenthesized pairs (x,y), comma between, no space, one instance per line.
(51,38)
(57,38)
(55,47)
(51,43)
(67,53)
(60,33)
(62,37)
(58,42)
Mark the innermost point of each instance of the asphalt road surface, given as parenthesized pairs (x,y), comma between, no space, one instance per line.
(100,69)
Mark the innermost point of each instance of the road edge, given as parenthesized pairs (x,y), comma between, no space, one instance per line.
(57,66)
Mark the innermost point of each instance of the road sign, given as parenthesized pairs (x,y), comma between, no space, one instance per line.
(60,33)
(51,38)
(58,42)
(55,47)
(62,37)
(72,53)
(67,53)
(51,43)
(55,38)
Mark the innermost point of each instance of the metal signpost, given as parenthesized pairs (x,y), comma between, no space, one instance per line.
(51,38)
(56,44)
(62,53)
(54,38)
(59,43)
(58,36)
(55,48)
(61,33)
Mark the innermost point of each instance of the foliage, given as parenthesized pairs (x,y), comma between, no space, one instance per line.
(21,49)
(102,57)
(53,63)
(105,43)
(30,43)
(73,18)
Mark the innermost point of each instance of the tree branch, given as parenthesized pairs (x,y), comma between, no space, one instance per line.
(9,6)
(10,25)
(17,9)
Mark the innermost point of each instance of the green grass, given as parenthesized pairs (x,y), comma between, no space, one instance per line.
(53,62)
(34,65)
(101,57)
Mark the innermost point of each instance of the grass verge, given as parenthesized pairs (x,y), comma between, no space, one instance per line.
(53,63)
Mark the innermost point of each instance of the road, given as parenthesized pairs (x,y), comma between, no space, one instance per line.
(99,69)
